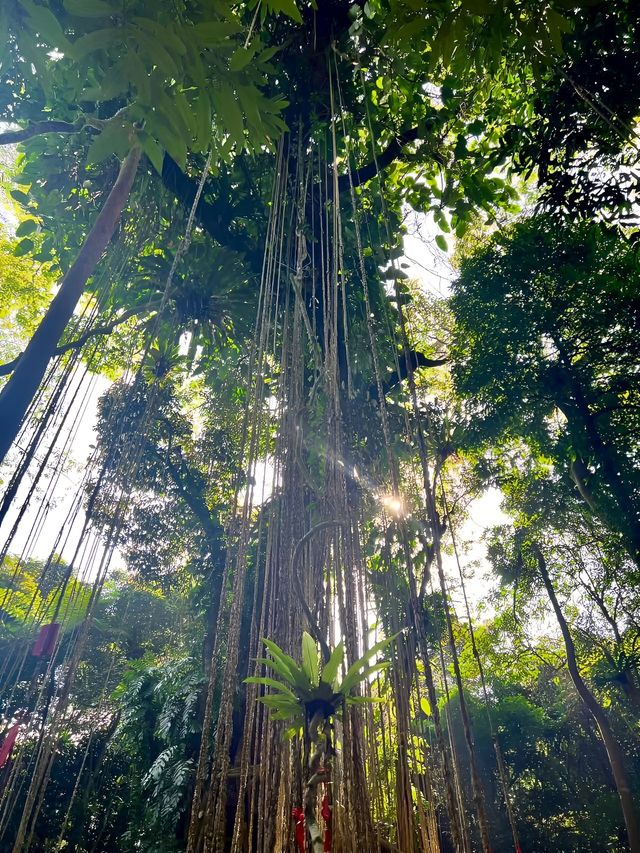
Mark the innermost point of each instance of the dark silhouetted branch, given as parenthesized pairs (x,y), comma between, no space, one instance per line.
(384,159)
(418,359)
(38,128)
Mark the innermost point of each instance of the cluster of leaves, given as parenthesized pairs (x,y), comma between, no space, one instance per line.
(161,77)
(158,729)
(305,690)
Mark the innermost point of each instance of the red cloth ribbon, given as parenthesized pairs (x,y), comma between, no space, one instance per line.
(298,816)
(326,814)
(7,743)
(45,643)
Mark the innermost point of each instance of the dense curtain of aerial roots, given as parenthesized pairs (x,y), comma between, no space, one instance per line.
(389,789)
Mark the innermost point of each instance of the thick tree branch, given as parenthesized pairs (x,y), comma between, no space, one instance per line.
(384,159)
(38,128)
(212,218)
(106,329)
(418,359)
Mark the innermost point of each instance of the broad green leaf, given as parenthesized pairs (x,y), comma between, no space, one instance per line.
(288,7)
(202,111)
(159,126)
(296,674)
(270,682)
(139,75)
(164,34)
(215,32)
(441,243)
(194,65)
(46,25)
(24,247)
(19,196)
(26,227)
(88,8)
(186,113)
(268,53)
(330,669)
(291,732)
(241,58)
(277,667)
(280,703)
(310,658)
(356,677)
(115,82)
(353,673)
(229,114)
(425,706)
(153,150)
(157,54)
(102,39)
(286,714)
(557,25)
(114,139)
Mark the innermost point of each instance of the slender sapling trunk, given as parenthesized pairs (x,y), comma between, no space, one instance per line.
(23,385)
(614,752)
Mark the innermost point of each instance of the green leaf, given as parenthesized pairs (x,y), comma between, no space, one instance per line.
(215,32)
(241,58)
(268,53)
(310,658)
(45,23)
(229,114)
(26,227)
(139,75)
(160,127)
(23,248)
(280,703)
(291,732)
(153,150)
(353,673)
(185,111)
(288,7)
(270,682)
(295,674)
(285,714)
(441,243)
(353,678)
(157,54)
(164,34)
(116,81)
(114,139)
(425,707)
(102,39)
(557,24)
(330,669)
(19,196)
(202,111)
(88,8)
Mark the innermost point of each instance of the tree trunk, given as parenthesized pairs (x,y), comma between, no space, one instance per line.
(21,388)
(614,752)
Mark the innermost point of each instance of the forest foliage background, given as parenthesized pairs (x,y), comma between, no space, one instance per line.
(143,189)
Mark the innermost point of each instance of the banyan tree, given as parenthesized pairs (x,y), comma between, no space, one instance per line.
(218,192)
